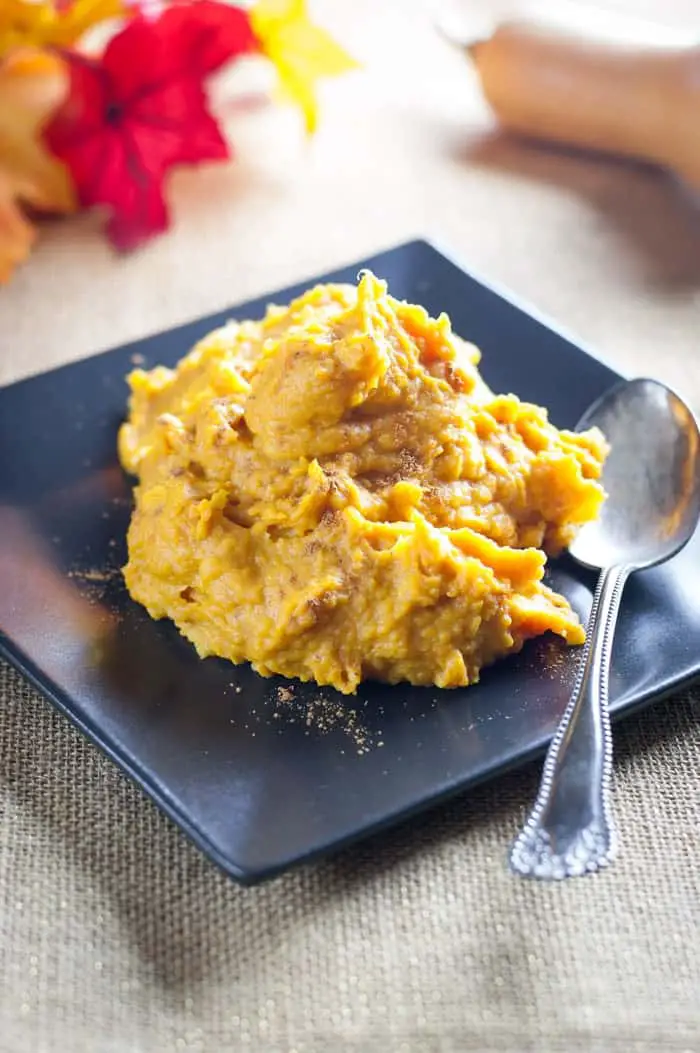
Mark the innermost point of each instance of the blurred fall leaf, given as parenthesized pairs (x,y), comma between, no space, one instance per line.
(32,84)
(301,51)
(51,23)
(16,232)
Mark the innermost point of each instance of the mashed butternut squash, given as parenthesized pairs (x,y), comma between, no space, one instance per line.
(334,494)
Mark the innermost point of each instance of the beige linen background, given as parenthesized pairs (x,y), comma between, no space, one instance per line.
(116,934)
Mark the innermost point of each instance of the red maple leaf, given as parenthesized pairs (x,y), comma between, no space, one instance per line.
(132,115)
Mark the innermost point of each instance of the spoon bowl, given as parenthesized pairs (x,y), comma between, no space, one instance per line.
(652,478)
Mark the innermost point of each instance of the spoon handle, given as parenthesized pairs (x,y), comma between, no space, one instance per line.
(570,830)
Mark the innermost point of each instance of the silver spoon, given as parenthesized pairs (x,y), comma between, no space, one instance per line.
(652,477)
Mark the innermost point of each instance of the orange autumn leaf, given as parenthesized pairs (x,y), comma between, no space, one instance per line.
(16,232)
(32,84)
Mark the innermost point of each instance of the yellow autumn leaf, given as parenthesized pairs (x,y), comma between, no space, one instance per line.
(43,23)
(302,52)
(16,232)
(32,84)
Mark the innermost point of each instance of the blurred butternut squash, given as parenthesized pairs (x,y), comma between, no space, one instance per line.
(599,82)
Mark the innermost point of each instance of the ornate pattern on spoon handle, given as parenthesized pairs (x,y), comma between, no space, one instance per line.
(570,830)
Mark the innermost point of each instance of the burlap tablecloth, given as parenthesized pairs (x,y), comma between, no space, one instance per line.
(116,934)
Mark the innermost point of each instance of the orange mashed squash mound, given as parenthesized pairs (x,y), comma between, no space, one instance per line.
(334,494)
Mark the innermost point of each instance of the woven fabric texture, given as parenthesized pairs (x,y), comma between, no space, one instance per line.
(116,934)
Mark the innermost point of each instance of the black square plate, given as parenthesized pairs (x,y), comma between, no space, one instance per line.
(263,773)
